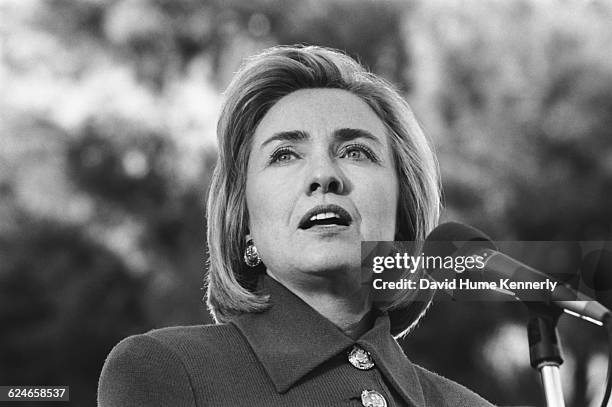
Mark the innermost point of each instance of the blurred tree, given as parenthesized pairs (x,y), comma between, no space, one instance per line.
(132,173)
(124,164)
(65,301)
(160,38)
(573,143)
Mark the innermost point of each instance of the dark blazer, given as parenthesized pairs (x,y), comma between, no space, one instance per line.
(289,355)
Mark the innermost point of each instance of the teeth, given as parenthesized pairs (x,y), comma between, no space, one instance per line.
(322,216)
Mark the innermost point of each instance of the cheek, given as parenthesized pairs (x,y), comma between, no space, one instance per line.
(379,211)
(257,207)
(265,203)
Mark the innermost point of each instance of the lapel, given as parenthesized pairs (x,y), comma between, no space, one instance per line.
(290,339)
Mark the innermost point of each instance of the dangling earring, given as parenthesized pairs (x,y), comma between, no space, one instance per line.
(251,257)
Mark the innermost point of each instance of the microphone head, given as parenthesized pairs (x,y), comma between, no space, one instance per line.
(454,240)
(448,239)
(458,232)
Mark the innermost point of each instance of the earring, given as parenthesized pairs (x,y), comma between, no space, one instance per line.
(251,257)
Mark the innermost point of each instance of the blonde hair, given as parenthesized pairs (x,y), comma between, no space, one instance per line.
(262,81)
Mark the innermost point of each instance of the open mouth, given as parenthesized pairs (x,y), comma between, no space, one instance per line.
(325,215)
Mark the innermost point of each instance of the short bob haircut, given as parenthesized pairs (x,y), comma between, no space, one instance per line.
(261,82)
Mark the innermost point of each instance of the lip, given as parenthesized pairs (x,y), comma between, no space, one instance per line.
(345,217)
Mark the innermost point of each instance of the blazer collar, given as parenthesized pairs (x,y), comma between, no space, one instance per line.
(290,339)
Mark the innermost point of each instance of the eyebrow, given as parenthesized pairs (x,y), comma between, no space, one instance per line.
(348,134)
(343,134)
(293,135)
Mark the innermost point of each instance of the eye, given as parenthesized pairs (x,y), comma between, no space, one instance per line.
(358,152)
(282,156)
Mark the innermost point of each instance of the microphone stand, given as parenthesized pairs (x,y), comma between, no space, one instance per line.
(544,351)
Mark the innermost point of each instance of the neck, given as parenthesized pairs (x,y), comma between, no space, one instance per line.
(349,310)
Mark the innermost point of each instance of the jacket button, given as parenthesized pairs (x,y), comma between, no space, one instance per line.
(360,358)
(372,398)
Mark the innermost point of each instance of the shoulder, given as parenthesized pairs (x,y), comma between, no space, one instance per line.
(445,392)
(182,338)
(155,368)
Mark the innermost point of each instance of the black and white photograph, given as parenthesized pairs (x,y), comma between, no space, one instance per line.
(313,203)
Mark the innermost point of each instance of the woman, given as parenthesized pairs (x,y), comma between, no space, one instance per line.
(315,156)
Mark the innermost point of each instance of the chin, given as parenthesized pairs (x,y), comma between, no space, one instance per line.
(333,259)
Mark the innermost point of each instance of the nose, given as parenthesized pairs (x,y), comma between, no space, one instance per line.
(326,177)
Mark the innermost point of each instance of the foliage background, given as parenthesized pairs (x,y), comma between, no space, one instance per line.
(107,141)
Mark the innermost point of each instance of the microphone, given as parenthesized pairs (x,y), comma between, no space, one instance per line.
(455,239)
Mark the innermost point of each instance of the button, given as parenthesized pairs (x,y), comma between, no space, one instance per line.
(372,398)
(361,358)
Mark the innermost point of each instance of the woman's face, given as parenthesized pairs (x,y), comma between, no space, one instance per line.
(320,180)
